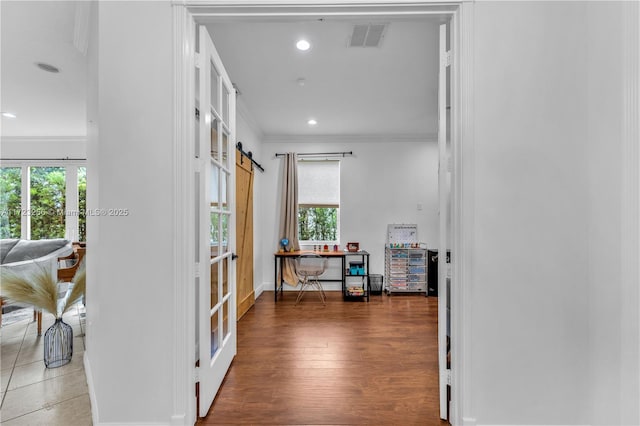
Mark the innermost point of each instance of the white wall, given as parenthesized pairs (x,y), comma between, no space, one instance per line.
(251,137)
(129,285)
(615,397)
(530,296)
(546,329)
(604,153)
(382,183)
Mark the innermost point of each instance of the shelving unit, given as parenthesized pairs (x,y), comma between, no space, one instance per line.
(406,270)
(355,285)
(405,260)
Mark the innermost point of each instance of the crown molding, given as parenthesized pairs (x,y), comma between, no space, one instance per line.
(43,148)
(426,137)
(245,113)
(42,139)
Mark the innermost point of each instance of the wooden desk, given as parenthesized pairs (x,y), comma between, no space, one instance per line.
(278,259)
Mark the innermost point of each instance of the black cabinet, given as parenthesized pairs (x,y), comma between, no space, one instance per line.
(432,271)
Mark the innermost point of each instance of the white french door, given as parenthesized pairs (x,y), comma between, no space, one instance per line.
(215,233)
(444,195)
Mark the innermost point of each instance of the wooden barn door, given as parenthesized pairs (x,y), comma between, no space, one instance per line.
(244,234)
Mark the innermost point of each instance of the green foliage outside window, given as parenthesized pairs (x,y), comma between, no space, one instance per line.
(213,230)
(10,193)
(48,202)
(46,212)
(317,223)
(82,204)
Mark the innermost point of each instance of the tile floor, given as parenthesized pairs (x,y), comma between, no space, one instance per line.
(33,394)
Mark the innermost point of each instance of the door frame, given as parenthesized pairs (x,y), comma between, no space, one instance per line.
(185,15)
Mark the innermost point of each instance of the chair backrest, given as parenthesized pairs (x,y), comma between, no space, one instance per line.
(310,264)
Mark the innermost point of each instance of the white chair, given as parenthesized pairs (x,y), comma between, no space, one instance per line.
(309,267)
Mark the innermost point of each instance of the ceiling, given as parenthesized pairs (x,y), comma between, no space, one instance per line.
(390,90)
(46,104)
(353,91)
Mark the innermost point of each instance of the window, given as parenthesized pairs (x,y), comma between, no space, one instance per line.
(318,201)
(10,196)
(82,204)
(43,201)
(47,202)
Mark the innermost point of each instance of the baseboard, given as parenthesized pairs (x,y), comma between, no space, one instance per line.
(330,286)
(179,420)
(268,287)
(246,304)
(466,421)
(259,290)
(92,392)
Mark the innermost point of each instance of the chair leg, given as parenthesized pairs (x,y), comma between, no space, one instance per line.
(304,284)
(39,323)
(323,297)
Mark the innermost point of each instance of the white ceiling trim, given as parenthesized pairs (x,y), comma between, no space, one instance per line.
(243,110)
(54,148)
(350,138)
(40,139)
(208,11)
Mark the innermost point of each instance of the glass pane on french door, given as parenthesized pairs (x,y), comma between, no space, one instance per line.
(214,139)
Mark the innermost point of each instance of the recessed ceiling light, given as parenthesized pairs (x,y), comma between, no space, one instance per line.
(9,115)
(312,122)
(47,67)
(303,45)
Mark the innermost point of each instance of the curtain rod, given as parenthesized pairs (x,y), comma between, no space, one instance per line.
(249,155)
(311,154)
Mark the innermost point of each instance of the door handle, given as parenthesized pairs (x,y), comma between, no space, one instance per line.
(234,256)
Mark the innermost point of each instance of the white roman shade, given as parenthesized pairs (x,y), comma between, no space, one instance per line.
(319,183)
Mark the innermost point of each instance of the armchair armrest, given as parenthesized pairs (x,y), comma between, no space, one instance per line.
(68,265)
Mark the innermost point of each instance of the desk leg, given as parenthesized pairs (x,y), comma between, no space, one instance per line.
(276,280)
(344,279)
(281,277)
(367,278)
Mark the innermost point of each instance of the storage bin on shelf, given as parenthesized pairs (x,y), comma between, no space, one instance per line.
(356,268)
(355,291)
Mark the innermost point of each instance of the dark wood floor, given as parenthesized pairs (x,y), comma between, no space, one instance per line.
(346,363)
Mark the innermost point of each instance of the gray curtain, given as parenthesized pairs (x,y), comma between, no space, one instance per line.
(289,215)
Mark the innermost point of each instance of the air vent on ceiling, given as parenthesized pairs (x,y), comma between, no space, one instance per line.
(368,35)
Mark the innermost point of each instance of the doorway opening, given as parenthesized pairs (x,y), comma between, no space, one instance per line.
(210,16)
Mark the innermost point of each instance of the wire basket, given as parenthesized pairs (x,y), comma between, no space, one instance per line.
(375,283)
